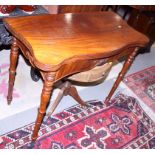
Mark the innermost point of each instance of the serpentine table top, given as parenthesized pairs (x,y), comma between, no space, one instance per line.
(52,39)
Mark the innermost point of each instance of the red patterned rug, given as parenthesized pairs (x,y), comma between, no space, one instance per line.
(142,83)
(121,125)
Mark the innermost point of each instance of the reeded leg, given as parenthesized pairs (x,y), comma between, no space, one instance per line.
(12,70)
(126,66)
(45,97)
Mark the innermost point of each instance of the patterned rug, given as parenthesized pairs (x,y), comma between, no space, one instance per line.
(121,125)
(142,83)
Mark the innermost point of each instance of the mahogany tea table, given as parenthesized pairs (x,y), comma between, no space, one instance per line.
(65,44)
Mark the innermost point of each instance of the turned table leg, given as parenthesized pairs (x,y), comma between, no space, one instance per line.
(45,97)
(12,70)
(121,75)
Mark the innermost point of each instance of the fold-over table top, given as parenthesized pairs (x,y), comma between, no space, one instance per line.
(53,39)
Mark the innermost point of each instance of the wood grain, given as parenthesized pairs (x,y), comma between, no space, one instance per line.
(79,8)
(52,39)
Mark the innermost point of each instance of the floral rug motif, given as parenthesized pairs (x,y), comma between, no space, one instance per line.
(123,124)
(142,83)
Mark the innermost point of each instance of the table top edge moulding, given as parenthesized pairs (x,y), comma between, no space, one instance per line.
(77,38)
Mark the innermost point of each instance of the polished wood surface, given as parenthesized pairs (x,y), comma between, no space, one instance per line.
(63,45)
(12,70)
(121,75)
(59,37)
(79,8)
